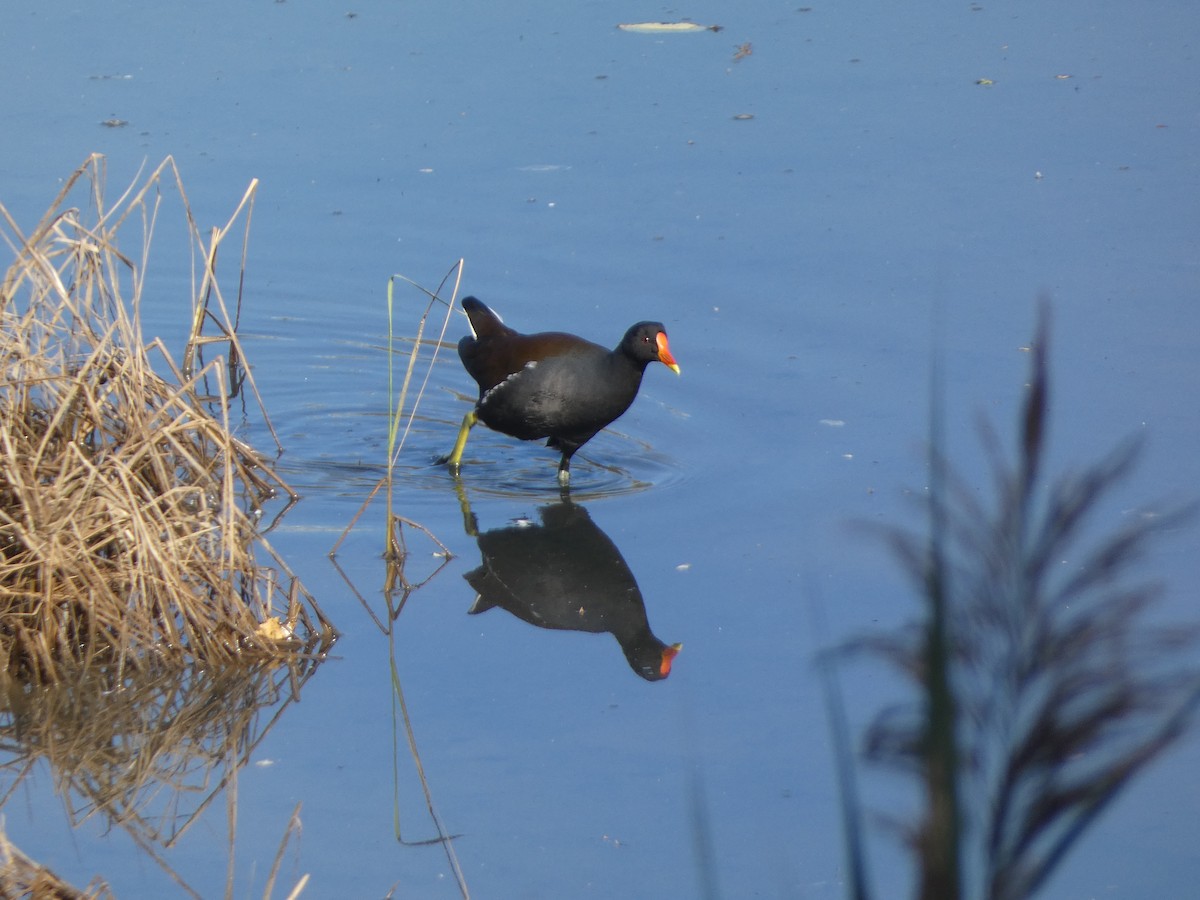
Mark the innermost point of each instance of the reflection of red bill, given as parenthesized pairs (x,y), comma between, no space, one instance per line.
(668,656)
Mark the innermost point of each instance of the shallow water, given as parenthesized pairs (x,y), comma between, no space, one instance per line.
(878,203)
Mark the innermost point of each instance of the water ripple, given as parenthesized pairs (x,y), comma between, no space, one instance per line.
(529,471)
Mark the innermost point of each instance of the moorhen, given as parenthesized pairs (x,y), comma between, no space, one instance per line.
(551,385)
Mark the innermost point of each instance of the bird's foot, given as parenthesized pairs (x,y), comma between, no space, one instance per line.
(447,460)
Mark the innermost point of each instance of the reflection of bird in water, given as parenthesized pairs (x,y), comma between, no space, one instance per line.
(567,574)
(552,385)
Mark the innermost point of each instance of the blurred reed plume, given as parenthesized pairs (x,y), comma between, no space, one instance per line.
(1042,688)
(128,510)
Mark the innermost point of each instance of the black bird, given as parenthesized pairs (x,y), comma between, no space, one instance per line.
(552,385)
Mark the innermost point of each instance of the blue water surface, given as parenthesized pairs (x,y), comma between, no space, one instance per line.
(814,200)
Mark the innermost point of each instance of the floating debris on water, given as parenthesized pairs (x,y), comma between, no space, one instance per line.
(666,27)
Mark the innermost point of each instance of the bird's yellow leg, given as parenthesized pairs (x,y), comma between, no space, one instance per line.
(455,458)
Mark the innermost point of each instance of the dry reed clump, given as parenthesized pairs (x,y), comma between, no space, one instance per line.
(21,877)
(128,510)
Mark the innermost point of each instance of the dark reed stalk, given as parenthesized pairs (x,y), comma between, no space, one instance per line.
(857,871)
(938,846)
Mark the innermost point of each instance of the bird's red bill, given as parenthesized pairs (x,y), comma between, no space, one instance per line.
(664,353)
(668,656)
